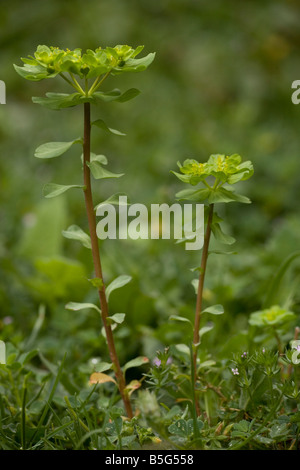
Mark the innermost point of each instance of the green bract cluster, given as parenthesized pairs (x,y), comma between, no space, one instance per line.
(226,169)
(85,72)
(48,62)
(213,174)
(274,316)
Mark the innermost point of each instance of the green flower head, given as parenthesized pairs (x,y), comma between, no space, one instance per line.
(227,169)
(48,62)
(213,174)
(274,316)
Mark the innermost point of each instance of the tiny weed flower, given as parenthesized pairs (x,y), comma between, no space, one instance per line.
(235,371)
(157,362)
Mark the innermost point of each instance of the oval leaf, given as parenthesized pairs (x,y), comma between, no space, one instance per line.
(205,329)
(81,306)
(137,362)
(54,149)
(103,366)
(120,281)
(117,318)
(99,172)
(220,236)
(76,233)
(53,189)
(100,123)
(100,378)
(182,319)
(214,309)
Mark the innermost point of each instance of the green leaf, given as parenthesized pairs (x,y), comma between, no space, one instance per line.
(195,284)
(76,233)
(184,428)
(58,100)
(191,195)
(102,159)
(183,348)
(137,362)
(221,236)
(53,189)
(106,96)
(54,149)
(34,73)
(117,318)
(224,195)
(114,200)
(100,123)
(135,65)
(205,329)
(103,366)
(207,363)
(115,95)
(99,172)
(214,309)
(27,356)
(181,319)
(128,95)
(179,428)
(120,281)
(222,252)
(274,316)
(81,306)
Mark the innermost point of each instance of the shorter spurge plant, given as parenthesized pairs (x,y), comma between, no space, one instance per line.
(215,178)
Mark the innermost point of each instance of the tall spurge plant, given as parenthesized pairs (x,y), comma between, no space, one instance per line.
(85,73)
(216,178)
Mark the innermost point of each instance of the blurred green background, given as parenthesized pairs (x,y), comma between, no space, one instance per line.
(220,83)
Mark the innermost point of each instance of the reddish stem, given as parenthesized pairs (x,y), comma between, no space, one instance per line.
(97,261)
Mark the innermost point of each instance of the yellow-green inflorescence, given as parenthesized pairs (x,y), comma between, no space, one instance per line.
(227,169)
(273,316)
(47,62)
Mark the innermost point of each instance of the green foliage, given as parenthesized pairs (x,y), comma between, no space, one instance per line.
(223,169)
(48,62)
(214,83)
(273,316)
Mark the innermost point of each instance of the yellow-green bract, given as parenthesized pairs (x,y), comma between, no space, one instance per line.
(227,169)
(273,316)
(47,62)
(218,171)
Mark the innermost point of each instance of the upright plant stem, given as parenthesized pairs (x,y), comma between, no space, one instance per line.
(204,257)
(97,262)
